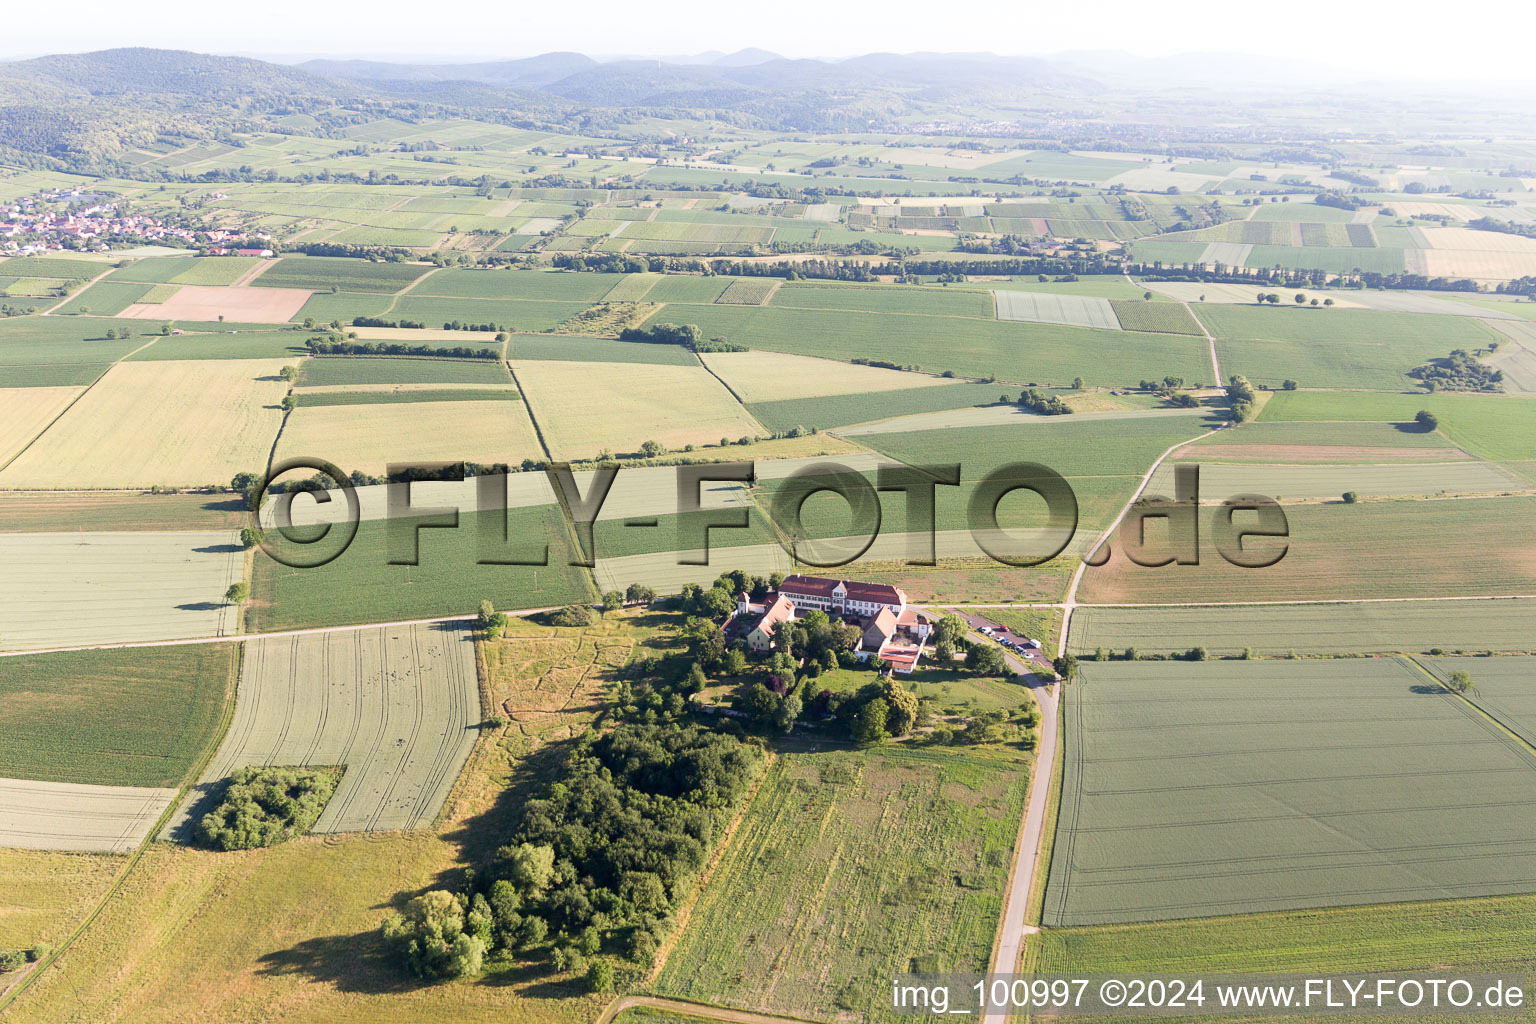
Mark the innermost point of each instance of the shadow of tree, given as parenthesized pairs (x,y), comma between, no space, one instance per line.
(349,963)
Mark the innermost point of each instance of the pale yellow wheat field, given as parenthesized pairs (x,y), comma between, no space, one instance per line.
(27,412)
(775,376)
(584,408)
(176,423)
(366,437)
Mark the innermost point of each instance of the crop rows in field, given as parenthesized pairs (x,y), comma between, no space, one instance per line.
(395,705)
(1495,934)
(1156,317)
(1236,787)
(1275,630)
(321,273)
(748,291)
(134,717)
(64,589)
(449,578)
(181,423)
(1219,481)
(1068,310)
(584,408)
(1028,352)
(62,816)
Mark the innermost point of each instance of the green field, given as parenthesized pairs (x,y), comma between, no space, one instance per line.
(1012,351)
(105,298)
(517,284)
(324,307)
(209,270)
(1490,426)
(1231,787)
(361,586)
(1158,317)
(313,399)
(748,291)
(1274,630)
(851,866)
(681,288)
(616,540)
(831,411)
(1506,688)
(47,351)
(596,350)
(932,300)
(330,371)
(1328,441)
(61,267)
(140,717)
(1339,348)
(321,273)
(245,345)
(510,314)
(1490,935)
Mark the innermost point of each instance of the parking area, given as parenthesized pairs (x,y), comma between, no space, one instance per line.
(1035,658)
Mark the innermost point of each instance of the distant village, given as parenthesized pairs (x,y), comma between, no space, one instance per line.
(82,221)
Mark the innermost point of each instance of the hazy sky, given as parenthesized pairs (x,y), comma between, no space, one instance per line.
(1491,43)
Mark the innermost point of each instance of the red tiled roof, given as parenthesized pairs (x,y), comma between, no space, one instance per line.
(808,585)
(777,612)
(823,587)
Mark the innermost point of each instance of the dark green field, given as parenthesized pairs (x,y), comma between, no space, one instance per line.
(1020,352)
(843,410)
(596,350)
(1491,426)
(328,371)
(320,273)
(1241,786)
(140,717)
(361,585)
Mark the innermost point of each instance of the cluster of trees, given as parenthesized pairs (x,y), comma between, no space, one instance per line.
(687,335)
(1045,405)
(377,321)
(600,861)
(331,346)
(265,806)
(1273,298)
(1502,226)
(376,253)
(1343,200)
(1519,286)
(1459,371)
(1240,395)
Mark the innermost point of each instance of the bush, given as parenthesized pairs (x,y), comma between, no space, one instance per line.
(572,615)
(599,976)
(1350,497)
(11,960)
(436,938)
(265,806)
(41,951)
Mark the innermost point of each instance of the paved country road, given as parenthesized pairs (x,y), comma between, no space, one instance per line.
(1026,851)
